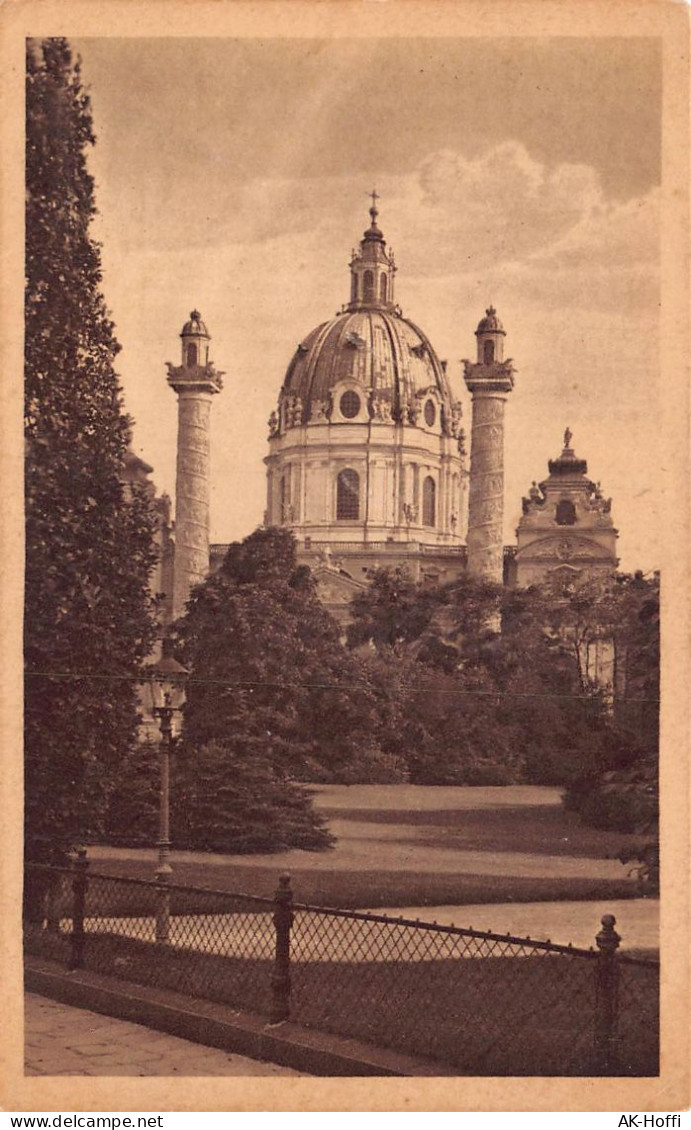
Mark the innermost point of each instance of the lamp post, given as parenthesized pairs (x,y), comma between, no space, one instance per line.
(167,679)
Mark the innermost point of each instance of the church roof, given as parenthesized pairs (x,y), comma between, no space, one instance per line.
(369,343)
(380,349)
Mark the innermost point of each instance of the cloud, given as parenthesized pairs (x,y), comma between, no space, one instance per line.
(504,204)
(506,224)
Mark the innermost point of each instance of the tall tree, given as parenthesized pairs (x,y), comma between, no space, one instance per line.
(268,702)
(89,543)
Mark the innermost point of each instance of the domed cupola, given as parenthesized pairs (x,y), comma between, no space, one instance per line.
(366,442)
(490,335)
(195,341)
(372,269)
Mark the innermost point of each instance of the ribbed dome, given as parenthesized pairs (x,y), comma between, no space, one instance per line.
(383,352)
(195,327)
(490,323)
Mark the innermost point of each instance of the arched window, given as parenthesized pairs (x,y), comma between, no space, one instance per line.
(348,495)
(368,287)
(566,513)
(383,288)
(488,352)
(191,355)
(429,502)
(353,289)
(286,509)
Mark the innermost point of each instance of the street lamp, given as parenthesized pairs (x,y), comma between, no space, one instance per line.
(167,678)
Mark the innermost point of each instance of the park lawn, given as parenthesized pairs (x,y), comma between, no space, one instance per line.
(405,845)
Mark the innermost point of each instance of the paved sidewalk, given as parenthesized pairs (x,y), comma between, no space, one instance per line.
(61,1040)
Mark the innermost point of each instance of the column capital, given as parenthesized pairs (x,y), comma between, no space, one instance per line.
(491,380)
(197,378)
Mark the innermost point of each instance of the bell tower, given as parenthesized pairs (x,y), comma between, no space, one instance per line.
(195,381)
(489,381)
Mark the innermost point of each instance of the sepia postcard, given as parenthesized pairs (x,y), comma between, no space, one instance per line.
(345,558)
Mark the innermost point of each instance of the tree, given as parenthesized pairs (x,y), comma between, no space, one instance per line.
(623,793)
(89,541)
(483,705)
(391,612)
(273,698)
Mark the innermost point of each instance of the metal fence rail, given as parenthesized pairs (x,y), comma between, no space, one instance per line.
(488,1004)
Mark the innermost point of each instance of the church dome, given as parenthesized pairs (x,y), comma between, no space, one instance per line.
(366,445)
(378,350)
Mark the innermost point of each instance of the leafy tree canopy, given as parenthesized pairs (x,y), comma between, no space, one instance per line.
(499,683)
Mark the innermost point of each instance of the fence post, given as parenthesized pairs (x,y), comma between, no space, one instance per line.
(283,921)
(80,883)
(606,995)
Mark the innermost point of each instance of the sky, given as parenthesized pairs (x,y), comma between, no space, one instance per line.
(233,176)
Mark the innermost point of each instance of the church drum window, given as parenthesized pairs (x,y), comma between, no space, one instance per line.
(429,502)
(488,352)
(349,404)
(368,286)
(285,492)
(382,288)
(348,495)
(566,513)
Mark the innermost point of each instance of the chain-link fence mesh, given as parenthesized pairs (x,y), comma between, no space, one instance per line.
(48,902)
(220,945)
(637,1038)
(486,1004)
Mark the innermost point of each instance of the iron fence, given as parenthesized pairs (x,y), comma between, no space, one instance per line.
(485,1003)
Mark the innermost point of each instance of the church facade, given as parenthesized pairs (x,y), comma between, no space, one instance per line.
(367,462)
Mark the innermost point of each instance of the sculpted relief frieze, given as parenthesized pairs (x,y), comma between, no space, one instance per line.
(487,411)
(562,549)
(195,412)
(194,463)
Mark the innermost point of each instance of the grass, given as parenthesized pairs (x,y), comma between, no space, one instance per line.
(371,888)
(421,846)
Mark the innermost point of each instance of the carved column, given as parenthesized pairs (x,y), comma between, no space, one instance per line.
(194,387)
(489,386)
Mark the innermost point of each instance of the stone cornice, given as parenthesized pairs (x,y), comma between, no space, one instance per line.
(197,378)
(491,384)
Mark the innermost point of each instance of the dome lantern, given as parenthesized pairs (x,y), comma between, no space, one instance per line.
(372,269)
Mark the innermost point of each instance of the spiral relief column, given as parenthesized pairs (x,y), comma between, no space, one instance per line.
(489,380)
(195,381)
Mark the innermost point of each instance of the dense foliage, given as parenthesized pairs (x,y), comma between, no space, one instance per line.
(273,698)
(501,685)
(624,794)
(89,547)
(467,683)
